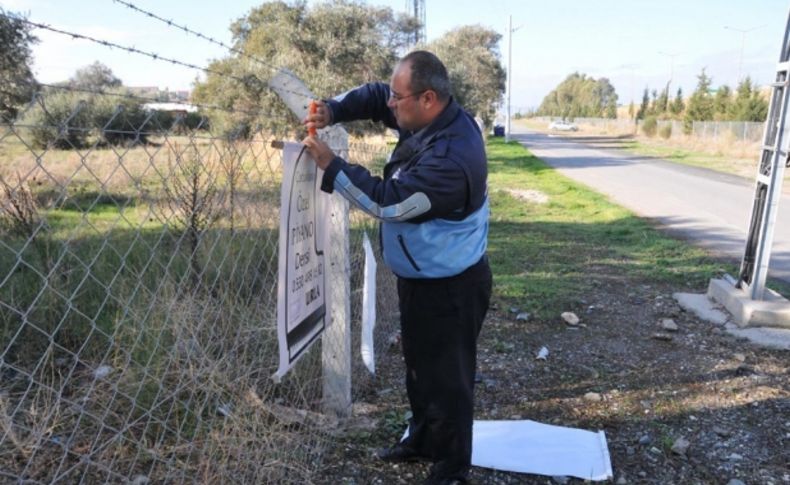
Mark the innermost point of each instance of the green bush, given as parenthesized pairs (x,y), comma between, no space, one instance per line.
(665,131)
(67,119)
(59,119)
(120,120)
(650,126)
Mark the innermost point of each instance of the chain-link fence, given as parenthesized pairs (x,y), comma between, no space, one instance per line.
(138,288)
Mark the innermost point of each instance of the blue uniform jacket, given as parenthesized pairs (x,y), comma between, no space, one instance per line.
(432,199)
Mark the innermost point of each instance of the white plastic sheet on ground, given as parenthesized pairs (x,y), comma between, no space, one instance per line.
(368,306)
(540,449)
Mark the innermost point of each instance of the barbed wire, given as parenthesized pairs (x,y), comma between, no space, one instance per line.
(137,97)
(250,81)
(200,35)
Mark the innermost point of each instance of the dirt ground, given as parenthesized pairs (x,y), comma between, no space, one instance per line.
(687,406)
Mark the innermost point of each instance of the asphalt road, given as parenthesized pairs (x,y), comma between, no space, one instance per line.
(707,208)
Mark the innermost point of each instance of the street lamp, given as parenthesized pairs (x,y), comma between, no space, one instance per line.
(743,42)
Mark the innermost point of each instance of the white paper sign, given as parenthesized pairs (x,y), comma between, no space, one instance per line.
(541,449)
(301,288)
(368,306)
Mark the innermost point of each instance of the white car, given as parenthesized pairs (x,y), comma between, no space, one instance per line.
(563,125)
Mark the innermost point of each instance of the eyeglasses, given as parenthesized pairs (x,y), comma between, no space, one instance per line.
(398,97)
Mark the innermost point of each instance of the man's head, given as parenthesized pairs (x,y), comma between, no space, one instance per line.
(419,90)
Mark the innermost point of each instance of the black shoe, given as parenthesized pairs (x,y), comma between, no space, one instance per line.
(399,453)
(444,481)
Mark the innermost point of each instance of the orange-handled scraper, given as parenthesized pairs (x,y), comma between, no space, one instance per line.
(313,110)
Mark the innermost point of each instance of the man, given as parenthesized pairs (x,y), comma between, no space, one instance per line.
(433,205)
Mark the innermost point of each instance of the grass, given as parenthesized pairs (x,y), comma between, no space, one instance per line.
(727,161)
(545,255)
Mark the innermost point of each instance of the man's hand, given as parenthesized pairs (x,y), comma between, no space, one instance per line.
(319,119)
(319,150)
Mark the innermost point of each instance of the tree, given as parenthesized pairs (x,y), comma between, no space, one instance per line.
(662,104)
(471,56)
(748,105)
(700,106)
(94,77)
(580,96)
(644,107)
(17,83)
(332,47)
(721,103)
(654,103)
(677,105)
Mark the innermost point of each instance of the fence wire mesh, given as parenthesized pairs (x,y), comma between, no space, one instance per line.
(138,288)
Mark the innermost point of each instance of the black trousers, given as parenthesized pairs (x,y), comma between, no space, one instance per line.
(440,322)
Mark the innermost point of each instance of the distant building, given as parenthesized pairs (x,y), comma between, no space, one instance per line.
(163,95)
(173,108)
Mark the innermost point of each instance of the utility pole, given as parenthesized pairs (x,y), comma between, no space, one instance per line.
(418,11)
(510,31)
(743,43)
(509,72)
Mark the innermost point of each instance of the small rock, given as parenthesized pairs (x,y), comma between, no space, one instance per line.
(680,446)
(514,309)
(543,354)
(570,318)
(139,480)
(523,316)
(655,450)
(394,339)
(662,336)
(735,481)
(645,440)
(669,325)
(735,457)
(224,410)
(593,396)
(642,474)
(723,432)
(744,370)
(102,371)
(621,481)
(739,357)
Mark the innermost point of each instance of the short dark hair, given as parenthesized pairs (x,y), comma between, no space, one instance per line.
(428,72)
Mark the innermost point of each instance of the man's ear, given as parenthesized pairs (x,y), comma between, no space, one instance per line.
(429,99)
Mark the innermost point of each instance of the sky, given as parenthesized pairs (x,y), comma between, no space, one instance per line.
(633,43)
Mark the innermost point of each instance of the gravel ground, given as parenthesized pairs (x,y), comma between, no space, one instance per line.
(681,402)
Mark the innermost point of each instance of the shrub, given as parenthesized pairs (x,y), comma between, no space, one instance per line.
(59,119)
(665,131)
(650,126)
(120,120)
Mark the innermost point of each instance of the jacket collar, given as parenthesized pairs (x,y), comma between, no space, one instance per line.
(446,117)
(410,142)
